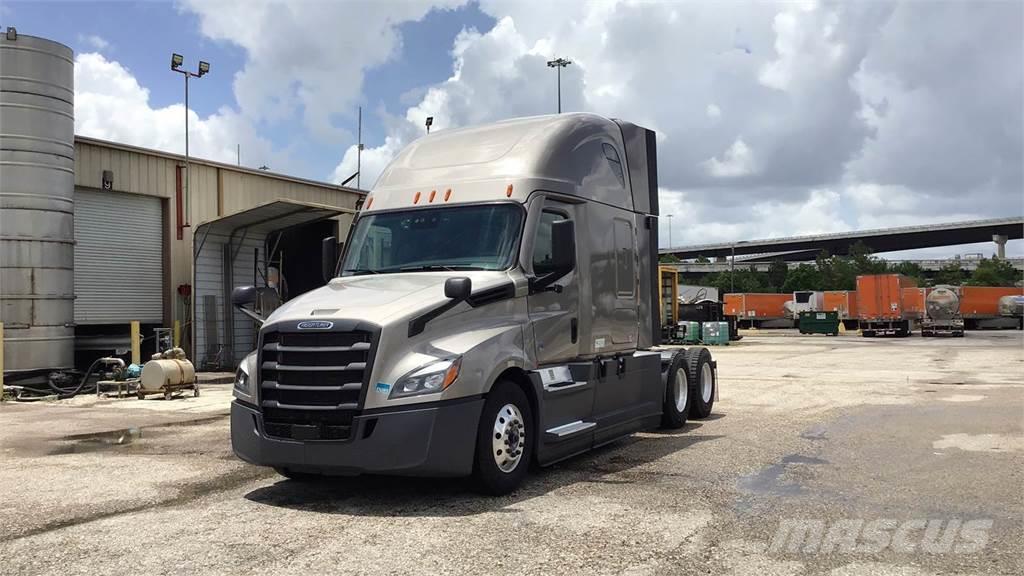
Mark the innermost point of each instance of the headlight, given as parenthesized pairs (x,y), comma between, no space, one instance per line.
(433,377)
(243,378)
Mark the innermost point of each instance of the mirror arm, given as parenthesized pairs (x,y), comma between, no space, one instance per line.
(256,317)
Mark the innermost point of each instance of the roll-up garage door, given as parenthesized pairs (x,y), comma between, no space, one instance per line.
(118,258)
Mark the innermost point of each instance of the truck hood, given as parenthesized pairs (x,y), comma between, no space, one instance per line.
(378,298)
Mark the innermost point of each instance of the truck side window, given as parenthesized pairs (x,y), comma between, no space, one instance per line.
(542,246)
(613,160)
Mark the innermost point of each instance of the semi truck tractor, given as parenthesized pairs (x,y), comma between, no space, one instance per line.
(495,307)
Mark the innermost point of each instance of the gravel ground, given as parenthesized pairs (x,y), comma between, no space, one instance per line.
(907,454)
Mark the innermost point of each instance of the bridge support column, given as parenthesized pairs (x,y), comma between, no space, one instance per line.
(1000,241)
(721,259)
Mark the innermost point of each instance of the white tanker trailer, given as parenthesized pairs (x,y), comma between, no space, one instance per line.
(942,313)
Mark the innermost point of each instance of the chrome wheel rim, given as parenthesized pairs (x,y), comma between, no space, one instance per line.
(508,439)
(680,389)
(707,381)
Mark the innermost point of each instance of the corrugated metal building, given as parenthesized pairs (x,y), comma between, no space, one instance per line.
(133,230)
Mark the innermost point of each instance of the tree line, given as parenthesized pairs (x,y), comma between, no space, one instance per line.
(840,273)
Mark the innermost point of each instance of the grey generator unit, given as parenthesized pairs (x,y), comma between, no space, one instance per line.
(495,306)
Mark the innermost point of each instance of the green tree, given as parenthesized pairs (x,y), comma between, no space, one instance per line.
(951,273)
(995,272)
(703,260)
(669,259)
(777,272)
(864,262)
(803,277)
(911,269)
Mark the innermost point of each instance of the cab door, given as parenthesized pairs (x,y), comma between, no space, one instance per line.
(565,425)
(554,311)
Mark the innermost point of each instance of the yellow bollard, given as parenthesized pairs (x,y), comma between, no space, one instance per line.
(1,360)
(177,333)
(136,343)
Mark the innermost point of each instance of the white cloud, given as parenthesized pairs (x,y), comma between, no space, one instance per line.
(713,111)
(111,104)
(94,42)
(308,58)
(737,161)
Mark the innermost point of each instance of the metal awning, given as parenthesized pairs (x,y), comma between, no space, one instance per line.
(274,216)
(220,337)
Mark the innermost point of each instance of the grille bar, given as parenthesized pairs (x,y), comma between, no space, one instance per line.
(351,387)
(354,367)
(276,347)
(312,407)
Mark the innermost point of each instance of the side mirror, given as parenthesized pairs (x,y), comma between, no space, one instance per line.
(328,257)
(243,295)
(563,246)
(458,289)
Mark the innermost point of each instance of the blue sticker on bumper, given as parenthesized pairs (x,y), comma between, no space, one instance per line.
(383,388)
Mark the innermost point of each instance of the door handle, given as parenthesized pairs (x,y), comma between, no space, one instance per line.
(574,330)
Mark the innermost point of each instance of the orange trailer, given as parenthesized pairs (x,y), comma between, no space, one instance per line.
(982,302)
(880,305)
(756,307)
(842,301)
(914,302)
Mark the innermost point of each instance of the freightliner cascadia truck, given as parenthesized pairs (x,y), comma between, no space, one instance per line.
(495,308)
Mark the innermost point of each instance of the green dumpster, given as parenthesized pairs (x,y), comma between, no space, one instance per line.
(819,323)
(715,333)
(692,335)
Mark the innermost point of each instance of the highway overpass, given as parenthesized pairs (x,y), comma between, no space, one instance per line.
(803,248)
(699,269)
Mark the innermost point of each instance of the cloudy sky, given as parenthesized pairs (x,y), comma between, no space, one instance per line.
(773,119)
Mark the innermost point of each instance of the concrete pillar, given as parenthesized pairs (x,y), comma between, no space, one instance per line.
(1000,241)
(721,259)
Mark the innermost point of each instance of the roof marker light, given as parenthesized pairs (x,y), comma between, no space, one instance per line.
(432,194)
(416,198)
(508,191)
(447,194)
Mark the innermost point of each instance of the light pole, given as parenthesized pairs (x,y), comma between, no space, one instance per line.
(559,63)
(204,67)
(669,216)
(732,269)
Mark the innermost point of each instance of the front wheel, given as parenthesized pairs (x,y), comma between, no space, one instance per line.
(504,443)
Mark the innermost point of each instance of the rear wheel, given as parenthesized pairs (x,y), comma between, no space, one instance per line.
(504,444)
(676,406)
(701,373)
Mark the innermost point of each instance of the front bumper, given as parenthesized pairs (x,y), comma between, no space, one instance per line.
(422,440)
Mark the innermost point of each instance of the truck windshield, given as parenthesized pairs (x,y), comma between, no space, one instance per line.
(449,238)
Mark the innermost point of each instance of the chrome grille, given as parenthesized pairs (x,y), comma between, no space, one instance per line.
(311,383)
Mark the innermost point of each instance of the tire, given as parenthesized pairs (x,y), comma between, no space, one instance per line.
(676,405)
(506,421)
(701,374)
(298,476)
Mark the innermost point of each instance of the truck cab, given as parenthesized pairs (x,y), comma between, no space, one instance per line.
(496,306)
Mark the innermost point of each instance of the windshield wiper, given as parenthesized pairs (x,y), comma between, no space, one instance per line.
(359,271)
(436,267)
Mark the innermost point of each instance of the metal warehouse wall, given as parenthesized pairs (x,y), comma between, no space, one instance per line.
(217,190)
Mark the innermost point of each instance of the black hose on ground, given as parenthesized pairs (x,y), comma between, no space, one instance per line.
(64,393)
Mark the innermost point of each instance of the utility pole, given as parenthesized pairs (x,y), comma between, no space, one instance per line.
(732,269)
(669,216)
(559,63)
(359,149)
(204,67)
